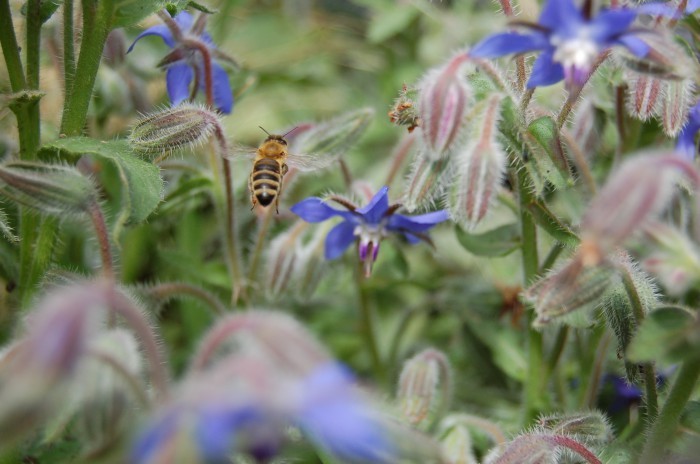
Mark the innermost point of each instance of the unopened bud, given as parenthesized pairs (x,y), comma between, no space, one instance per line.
(589,427)
(52,189)
(675,261)
(424,182)
(418,384)
(634,194)
(281,258)
(333,138)
(536,448)
(644,95)
(457,446)
(174,128)
(678,97)
(479,166)
(444,98)
(102,391)
(574,286)
(276,336)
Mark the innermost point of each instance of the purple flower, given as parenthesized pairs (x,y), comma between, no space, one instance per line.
(569,41)
(191,59)
(685,145)
(370,224)
(338,419)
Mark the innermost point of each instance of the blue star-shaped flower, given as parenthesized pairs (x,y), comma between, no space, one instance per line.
(192,59)
(685,144)
(370,224)
(336,418)
(569,41)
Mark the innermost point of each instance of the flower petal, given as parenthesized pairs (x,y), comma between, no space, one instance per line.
(223,97)
(161,30)
(497,45)
(184,20)
(419,223)
(545,71)
(339,239)
(610,23)
(374,211)
(178,78)
(635,45)
(314,209)
(337,418)
(561,16)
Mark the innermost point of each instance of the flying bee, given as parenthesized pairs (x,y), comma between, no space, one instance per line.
(271,161)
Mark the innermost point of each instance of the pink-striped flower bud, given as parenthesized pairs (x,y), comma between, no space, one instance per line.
(589,427)
(479,167)
(419,383)
(538,447)
(424,182)
(444,98)
(644,93)
(677,100)
(633,195)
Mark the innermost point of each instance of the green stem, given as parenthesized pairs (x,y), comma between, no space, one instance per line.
(10,48)
(33,42)
(651,399)
(557,351)
(534,402)
(97,22)
(68,48)
(664,428)
(367,326)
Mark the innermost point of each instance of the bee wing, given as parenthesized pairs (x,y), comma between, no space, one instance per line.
(309,162)
(241,151)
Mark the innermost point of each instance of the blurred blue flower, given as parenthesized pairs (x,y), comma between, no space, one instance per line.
(624,393)
(370,224)
(569,41)
(192,54)
(338,419)
(208,431)
(685,144)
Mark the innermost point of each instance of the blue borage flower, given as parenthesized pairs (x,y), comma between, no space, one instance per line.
(570,41)
(685,144)
(191,60)
(369,224)
(338,419)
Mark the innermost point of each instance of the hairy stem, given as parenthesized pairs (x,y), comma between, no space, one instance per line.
(10,48)
(663,429)
(68,48)
(259,245)
(367,325)
(98,222)
(166,290)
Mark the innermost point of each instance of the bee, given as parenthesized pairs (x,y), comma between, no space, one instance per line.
(271,162)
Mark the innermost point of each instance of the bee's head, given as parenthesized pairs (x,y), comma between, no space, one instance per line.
(276,138)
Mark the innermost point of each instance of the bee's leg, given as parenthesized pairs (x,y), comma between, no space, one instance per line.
(253,201)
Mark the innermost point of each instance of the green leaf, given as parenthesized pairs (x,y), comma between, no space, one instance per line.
(691,416)
(142,186)
(130,12)
(46,9)
(500,241)
(184,193)
(552,225)
(547,153)
(667,335)
(203,8)
(390,21)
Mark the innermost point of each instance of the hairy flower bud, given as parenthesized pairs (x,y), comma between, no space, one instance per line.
(48,188)
(444,98)
(479,166)
(644,92)
(424,182)
(457,446)
(174,128)
(675,261)
(589,427)
(333,138)
(418,384)
(536,448)
(677,99)
(282,255)
(633,195)
(572,287)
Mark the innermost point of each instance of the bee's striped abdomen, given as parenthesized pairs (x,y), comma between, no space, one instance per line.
(266,180)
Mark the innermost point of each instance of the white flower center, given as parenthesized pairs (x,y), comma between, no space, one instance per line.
(576,55)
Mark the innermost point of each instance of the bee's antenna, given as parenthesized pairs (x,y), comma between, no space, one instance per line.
(263,129)
(289,132)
